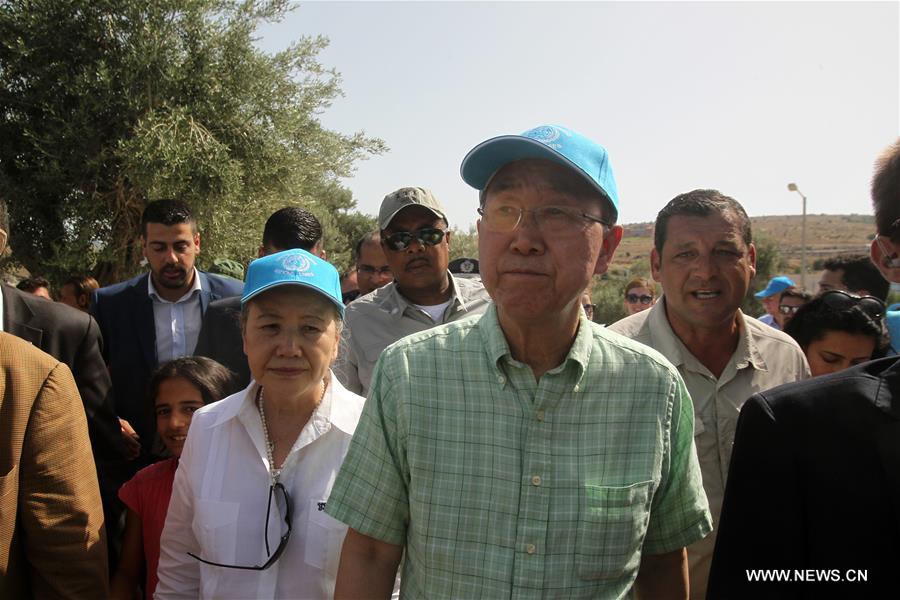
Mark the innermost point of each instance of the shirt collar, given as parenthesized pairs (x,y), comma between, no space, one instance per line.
(747,352)
(195,287)
(396,303)
(341,414)
(670,345)
(331,409)
(497,347)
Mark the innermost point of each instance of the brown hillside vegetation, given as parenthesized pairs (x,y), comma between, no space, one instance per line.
(826,235)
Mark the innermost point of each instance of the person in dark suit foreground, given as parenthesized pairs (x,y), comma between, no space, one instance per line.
(155,317)
(220,338)
(52,541)
(813,492)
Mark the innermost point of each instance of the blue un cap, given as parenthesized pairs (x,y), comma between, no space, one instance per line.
(776,286)
(293,267)
(550,142)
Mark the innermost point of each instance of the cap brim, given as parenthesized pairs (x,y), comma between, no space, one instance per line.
(275,284)
(488,157)
(384,224)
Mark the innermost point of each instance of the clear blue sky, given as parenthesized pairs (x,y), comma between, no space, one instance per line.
(740,96)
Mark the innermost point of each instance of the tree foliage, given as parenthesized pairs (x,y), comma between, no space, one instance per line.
(464,244)
(768,265)
(107,104)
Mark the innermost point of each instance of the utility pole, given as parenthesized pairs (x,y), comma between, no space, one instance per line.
(792,187)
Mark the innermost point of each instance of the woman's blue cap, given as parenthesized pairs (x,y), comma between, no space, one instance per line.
(550,142)
(293,267)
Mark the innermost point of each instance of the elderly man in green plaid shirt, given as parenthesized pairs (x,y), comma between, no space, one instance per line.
(525,453)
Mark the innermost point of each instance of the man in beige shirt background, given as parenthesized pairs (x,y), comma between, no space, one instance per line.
(704,258)
(416,241)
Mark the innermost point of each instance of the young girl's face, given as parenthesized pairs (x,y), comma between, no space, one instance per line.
(176,401)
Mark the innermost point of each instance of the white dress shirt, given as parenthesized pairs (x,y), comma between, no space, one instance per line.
(220,493)
(177,323)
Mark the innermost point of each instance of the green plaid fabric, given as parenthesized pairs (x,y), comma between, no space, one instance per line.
(500,486)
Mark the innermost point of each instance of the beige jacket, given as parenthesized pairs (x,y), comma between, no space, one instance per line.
(52,540)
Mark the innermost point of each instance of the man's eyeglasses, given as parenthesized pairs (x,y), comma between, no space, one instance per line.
(840,300)
(429,236)
(503,218)
(589,310)
(370,270)
(888,258)
(787,309)
(275,490)
(634,298)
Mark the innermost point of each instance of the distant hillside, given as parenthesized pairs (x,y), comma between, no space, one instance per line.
(826,235)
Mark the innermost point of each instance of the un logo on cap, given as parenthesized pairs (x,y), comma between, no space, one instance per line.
(296,263)
(546,135)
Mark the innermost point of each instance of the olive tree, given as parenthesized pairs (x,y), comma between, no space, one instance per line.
(108,104)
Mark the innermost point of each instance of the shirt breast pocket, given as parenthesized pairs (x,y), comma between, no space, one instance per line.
(611,531)
(324,538)
(215,525)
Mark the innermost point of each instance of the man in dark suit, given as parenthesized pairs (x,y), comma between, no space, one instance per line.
(51,525)
(72,337)
(220,337)
(813,492)
(155,317)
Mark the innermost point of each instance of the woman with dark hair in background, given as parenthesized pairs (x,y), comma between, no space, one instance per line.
(640,294)
(838,330)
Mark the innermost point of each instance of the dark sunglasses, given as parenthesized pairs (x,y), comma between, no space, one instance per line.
(273,556)
(786,309)
(634,298)
(589,308)
(429,236)
(840,300)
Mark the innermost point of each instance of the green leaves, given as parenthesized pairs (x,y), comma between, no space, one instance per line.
(106,104)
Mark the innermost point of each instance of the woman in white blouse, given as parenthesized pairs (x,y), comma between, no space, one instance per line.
(247,515)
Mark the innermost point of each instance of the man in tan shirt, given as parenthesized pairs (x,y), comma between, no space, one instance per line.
(704,257)
(416,240)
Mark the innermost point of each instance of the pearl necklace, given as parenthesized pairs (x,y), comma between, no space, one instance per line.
(270,445)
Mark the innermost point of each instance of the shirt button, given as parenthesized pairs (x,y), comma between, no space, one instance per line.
(540,415)
(536,480)
(530,549)
(501,379)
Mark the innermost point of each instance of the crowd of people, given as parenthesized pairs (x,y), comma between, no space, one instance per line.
(457,430)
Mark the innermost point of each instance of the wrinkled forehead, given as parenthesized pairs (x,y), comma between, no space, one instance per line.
(542,176)
(716,227)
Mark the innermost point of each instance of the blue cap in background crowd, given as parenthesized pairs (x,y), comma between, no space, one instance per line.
(776,286)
